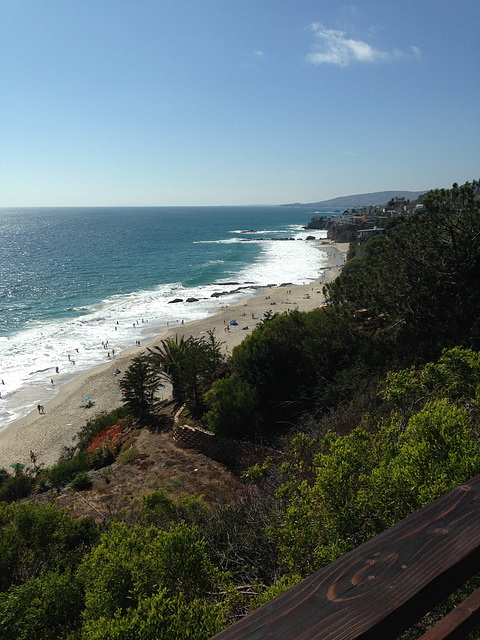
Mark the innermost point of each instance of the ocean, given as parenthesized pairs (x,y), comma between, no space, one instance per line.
(73,278)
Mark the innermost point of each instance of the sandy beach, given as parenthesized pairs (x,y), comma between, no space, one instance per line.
(47,434)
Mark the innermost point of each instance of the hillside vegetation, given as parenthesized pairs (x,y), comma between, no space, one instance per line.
(372,401)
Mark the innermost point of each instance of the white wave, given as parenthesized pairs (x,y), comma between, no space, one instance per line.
(223,241)
(29,358)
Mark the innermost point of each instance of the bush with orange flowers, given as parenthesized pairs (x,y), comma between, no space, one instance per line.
(105,445)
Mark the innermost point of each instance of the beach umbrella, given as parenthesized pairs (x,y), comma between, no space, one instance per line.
(17,465)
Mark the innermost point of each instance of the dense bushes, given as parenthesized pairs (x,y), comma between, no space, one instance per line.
(288,357)
(233,405)
(81,482)
(98,424)
(16,487)
(63,471)
(412,293)
(182,564)
(99,442)
(419,284)
(153,585)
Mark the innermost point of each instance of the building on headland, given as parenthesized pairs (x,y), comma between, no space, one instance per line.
(363,223)
(365,234)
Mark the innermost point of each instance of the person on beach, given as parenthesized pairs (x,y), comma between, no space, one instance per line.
(33,457)
(39,408)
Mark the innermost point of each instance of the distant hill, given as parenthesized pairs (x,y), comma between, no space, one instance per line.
(361,200)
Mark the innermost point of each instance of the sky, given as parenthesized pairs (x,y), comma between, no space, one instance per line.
(235,102)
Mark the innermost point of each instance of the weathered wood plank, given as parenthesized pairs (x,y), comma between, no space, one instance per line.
(381,588)
(456,624)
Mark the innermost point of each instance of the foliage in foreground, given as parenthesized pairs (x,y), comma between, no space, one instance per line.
(154,585)
(360,484)
(182,570)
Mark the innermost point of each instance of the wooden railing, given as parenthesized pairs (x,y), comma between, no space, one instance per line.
(383,587)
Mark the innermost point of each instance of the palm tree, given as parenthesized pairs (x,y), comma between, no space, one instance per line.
(189,365)
(169,358)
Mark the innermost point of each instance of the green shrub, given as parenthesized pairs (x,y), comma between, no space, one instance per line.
(64,471)
(159,509)
(47,607)
(128,456)
(16,487)
(233,403)
(4,476)
(81,482)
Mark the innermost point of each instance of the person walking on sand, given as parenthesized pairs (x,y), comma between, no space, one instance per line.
(39,408)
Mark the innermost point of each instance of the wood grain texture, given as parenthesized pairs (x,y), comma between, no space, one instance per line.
(459,622)
(381,588)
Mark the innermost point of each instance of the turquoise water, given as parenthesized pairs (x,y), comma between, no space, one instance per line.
(72,278)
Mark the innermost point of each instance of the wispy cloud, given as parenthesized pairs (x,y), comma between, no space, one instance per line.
(258,53)
(334,47)
(416,51)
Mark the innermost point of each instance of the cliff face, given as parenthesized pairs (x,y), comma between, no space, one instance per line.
(319,222)
(341,232)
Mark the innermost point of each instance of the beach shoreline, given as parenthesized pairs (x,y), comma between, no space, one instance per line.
(49,433)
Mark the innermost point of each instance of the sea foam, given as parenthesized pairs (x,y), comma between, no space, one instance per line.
(29,357)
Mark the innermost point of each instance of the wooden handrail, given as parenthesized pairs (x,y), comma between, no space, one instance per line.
(383,587)
(456,624)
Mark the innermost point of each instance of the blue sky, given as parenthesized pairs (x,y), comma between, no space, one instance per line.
(211,102)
